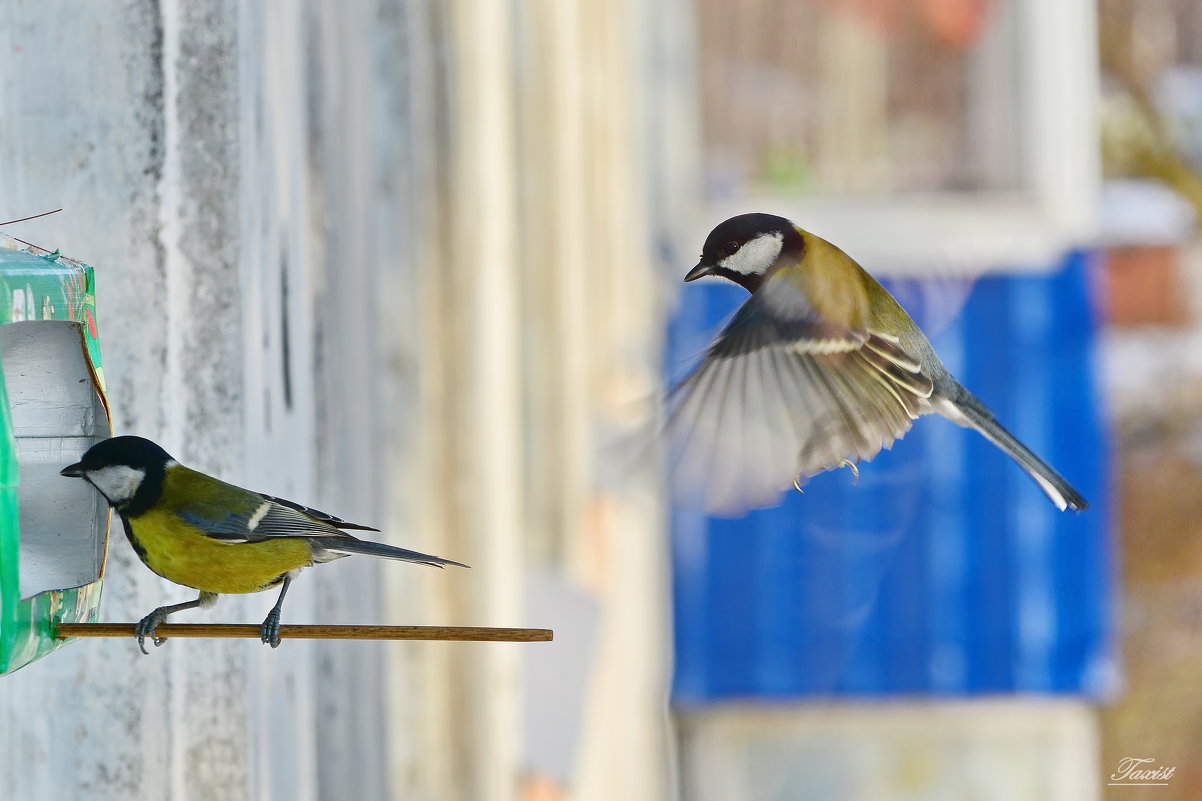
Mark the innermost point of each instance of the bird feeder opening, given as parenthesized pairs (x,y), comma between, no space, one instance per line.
(57,414)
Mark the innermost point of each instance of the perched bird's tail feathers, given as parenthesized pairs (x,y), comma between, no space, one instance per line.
(349,545)
(1051,482)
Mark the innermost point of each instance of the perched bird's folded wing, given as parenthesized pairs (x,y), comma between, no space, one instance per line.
(778,398)
(316,514)
(265,518)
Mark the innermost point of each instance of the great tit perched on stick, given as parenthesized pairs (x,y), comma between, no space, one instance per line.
(203,533)
(820,368)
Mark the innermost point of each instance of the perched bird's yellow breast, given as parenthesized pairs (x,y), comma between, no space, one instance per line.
(180,553)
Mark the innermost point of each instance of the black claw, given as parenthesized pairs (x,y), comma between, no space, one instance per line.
(146,627)
(269,632)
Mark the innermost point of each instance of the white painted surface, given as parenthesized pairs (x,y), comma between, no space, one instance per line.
(989,749)
(56,414)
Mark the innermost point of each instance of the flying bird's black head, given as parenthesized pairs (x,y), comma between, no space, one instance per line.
(744,248)
(127,471)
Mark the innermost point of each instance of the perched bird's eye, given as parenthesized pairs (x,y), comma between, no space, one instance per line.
(730,248)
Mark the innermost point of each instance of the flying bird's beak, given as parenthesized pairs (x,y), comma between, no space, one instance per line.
(73,470)
(702,269)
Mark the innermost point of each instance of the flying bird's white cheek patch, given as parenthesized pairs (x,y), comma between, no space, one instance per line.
(755,257)
(117,482)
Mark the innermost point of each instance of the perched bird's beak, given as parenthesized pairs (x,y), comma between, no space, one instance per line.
(702,269)
(73,470)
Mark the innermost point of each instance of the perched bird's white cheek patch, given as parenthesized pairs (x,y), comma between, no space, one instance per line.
(117,482)
(755,257)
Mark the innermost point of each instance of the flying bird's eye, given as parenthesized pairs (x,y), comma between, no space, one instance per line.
(730,248)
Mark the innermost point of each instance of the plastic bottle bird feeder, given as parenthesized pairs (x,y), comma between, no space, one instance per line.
(53,533)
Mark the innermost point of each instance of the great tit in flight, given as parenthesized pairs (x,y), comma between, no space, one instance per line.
(820,368)
(203,533)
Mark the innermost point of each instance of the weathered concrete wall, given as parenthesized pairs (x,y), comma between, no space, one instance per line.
(387,258)
(176,137)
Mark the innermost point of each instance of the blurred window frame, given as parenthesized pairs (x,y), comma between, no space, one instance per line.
(973,232)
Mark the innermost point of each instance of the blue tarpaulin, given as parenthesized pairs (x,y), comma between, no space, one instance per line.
(944,571)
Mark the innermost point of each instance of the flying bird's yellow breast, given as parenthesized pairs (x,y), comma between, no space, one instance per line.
(834,284)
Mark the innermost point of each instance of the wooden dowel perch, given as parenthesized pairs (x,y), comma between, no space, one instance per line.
(168,630)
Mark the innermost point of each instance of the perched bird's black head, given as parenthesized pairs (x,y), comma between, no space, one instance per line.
(744,248)
(127,471)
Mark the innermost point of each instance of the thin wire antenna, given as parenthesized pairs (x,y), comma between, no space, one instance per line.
(24,219)
(34,217)
(32,245)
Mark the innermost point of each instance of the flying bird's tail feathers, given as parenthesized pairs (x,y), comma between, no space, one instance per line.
(1051,482)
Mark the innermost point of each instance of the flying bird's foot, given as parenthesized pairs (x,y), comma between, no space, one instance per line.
(146,627)
(855,471)
(797,484)
(269,632)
